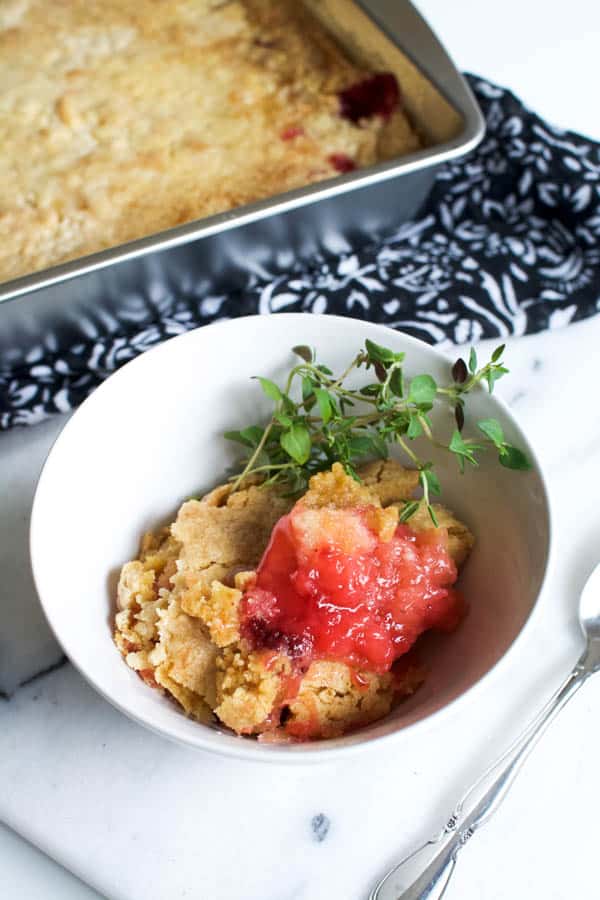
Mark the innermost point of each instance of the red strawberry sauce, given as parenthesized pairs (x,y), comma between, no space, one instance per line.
(378,95)
(342,162)
(364,604)
(291,132)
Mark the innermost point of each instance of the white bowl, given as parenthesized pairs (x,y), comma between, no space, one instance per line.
(151,435)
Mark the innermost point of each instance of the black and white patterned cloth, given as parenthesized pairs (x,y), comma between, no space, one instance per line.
(508,244)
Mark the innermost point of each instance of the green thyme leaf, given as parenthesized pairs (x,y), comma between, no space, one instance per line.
(351,471)
(457,445)
(370,390)
(360,446)
(297,443)
(493,375)
(408,510)
(463,450)
(249,436)
(270,389)
(380,448)
(379,354)
(396,383)
(422,390)
(237,437)
(308,387)
(288,405)
(513,458)
(493,430)
(472,361)
(325,405)
(433,481)
(253,433)
(498,353)
(432,515)
(414,427)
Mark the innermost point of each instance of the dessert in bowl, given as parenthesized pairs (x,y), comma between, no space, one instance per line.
(228,632)
(292,621)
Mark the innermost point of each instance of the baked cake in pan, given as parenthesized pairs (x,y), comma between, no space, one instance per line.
(122,120)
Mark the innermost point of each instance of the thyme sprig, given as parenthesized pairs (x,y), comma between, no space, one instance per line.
(318,420)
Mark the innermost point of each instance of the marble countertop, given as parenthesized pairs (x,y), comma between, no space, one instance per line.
(138,817)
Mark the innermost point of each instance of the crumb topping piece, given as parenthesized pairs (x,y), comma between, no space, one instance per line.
(227,529)
(248,687)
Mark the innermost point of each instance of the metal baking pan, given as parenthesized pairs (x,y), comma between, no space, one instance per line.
(97,294)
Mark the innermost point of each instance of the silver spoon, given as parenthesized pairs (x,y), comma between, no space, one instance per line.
(425,873)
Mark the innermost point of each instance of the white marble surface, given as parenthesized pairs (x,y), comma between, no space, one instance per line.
(29,874)
(138,817)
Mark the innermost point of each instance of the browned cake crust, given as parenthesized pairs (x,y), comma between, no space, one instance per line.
(119,120)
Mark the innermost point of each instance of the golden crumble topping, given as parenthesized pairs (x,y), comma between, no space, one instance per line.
(334,699)
(460,539)
(218,608)
(227,529)
(141,596)
(248,686)
(389,481)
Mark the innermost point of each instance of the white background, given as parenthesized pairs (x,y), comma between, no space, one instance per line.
(547,53)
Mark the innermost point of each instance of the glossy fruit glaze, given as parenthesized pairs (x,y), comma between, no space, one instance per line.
(329,587)
(342,162)
(378,95)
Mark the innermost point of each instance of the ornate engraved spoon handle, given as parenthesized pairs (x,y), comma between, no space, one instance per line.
(425,873)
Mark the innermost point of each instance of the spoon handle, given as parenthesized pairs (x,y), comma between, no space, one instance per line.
(425,873)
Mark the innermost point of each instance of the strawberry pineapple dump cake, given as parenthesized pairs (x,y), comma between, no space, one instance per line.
(292,621)
(120,120)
